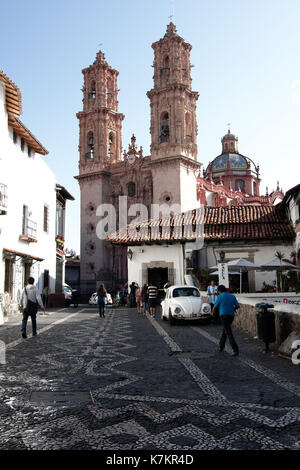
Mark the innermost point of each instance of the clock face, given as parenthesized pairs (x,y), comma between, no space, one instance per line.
(131,159)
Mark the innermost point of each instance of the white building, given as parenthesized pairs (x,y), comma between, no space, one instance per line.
(27,203)
(162,249)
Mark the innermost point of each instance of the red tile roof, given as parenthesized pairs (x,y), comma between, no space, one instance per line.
(216,223)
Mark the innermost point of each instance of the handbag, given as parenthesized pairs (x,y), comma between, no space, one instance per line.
(31,307)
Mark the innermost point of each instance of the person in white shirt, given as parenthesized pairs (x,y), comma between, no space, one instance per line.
(29,302)
(212,291)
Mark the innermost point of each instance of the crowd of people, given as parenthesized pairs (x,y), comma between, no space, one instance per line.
(223,306)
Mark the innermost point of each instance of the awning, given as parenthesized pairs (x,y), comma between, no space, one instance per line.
(23,255)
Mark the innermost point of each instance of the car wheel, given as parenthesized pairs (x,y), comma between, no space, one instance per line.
(171,319)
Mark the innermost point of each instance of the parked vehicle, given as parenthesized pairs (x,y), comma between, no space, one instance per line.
(184,303)
(94,299)
(71,295)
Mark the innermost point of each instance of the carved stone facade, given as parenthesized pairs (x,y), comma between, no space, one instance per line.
(106,176)
(170,176)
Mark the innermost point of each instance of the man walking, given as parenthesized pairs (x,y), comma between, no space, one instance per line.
(29,302)
(152,296)
(227,304)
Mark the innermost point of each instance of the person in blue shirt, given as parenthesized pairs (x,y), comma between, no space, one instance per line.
(227,304)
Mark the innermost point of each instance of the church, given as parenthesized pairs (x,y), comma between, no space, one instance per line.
(170,177)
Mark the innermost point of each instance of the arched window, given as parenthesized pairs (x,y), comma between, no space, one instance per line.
(254,188)
(166,62)
(109,91)
(239,185)
(131,189)
(165,70)
(164,127)
(90,145)
(188,127)
(111,144)
(92,93)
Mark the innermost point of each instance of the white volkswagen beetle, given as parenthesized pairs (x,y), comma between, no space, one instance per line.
(184,303)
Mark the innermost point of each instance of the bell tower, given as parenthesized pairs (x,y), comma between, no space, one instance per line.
(173,103)
(100,152)
(100,140)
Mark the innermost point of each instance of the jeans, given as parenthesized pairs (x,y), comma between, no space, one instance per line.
(226,321)
(146,307)
(33,322)
(101,305)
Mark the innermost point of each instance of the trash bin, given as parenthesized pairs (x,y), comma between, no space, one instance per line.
(265,324)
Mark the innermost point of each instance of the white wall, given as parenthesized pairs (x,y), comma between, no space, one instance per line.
(151,253)
(30,182)
(188,189)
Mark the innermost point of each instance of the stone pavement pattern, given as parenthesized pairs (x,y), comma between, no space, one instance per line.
(132,382)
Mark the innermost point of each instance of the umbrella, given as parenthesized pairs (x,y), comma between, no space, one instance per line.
(215,273)
(276,263)
(242,265)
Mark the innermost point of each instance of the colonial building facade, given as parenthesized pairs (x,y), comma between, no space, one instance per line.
(29,197)
(170,176)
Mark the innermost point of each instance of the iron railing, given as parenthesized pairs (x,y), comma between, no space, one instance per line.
(29,228)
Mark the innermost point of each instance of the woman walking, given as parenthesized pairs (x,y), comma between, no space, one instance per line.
(101,293)
(138,299)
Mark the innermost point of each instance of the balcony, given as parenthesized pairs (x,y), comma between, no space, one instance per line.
(29,232)
(3,199)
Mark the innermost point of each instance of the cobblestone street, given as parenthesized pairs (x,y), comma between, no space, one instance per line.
(132,382)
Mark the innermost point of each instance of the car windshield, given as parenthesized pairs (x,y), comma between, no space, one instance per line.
(186,292)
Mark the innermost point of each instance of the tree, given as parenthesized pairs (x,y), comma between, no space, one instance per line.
(280,256)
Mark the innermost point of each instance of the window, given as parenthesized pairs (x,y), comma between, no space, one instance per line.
(60,220)
(15,137)
(25,219)
(131,189)
(46,219)
(239,185)
(90,144)
(186,292)
(164,127)
(111,145)
(188,127)
(93,90)
(22,144)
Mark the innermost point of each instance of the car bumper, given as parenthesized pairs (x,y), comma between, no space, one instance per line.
(203,316)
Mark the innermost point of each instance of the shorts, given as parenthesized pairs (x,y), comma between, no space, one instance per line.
(152,303)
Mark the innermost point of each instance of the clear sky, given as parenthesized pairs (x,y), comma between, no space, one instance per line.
(246,55)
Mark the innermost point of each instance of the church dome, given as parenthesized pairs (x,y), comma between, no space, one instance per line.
(230,161)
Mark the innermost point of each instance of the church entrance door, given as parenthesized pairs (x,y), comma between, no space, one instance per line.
(158,277)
